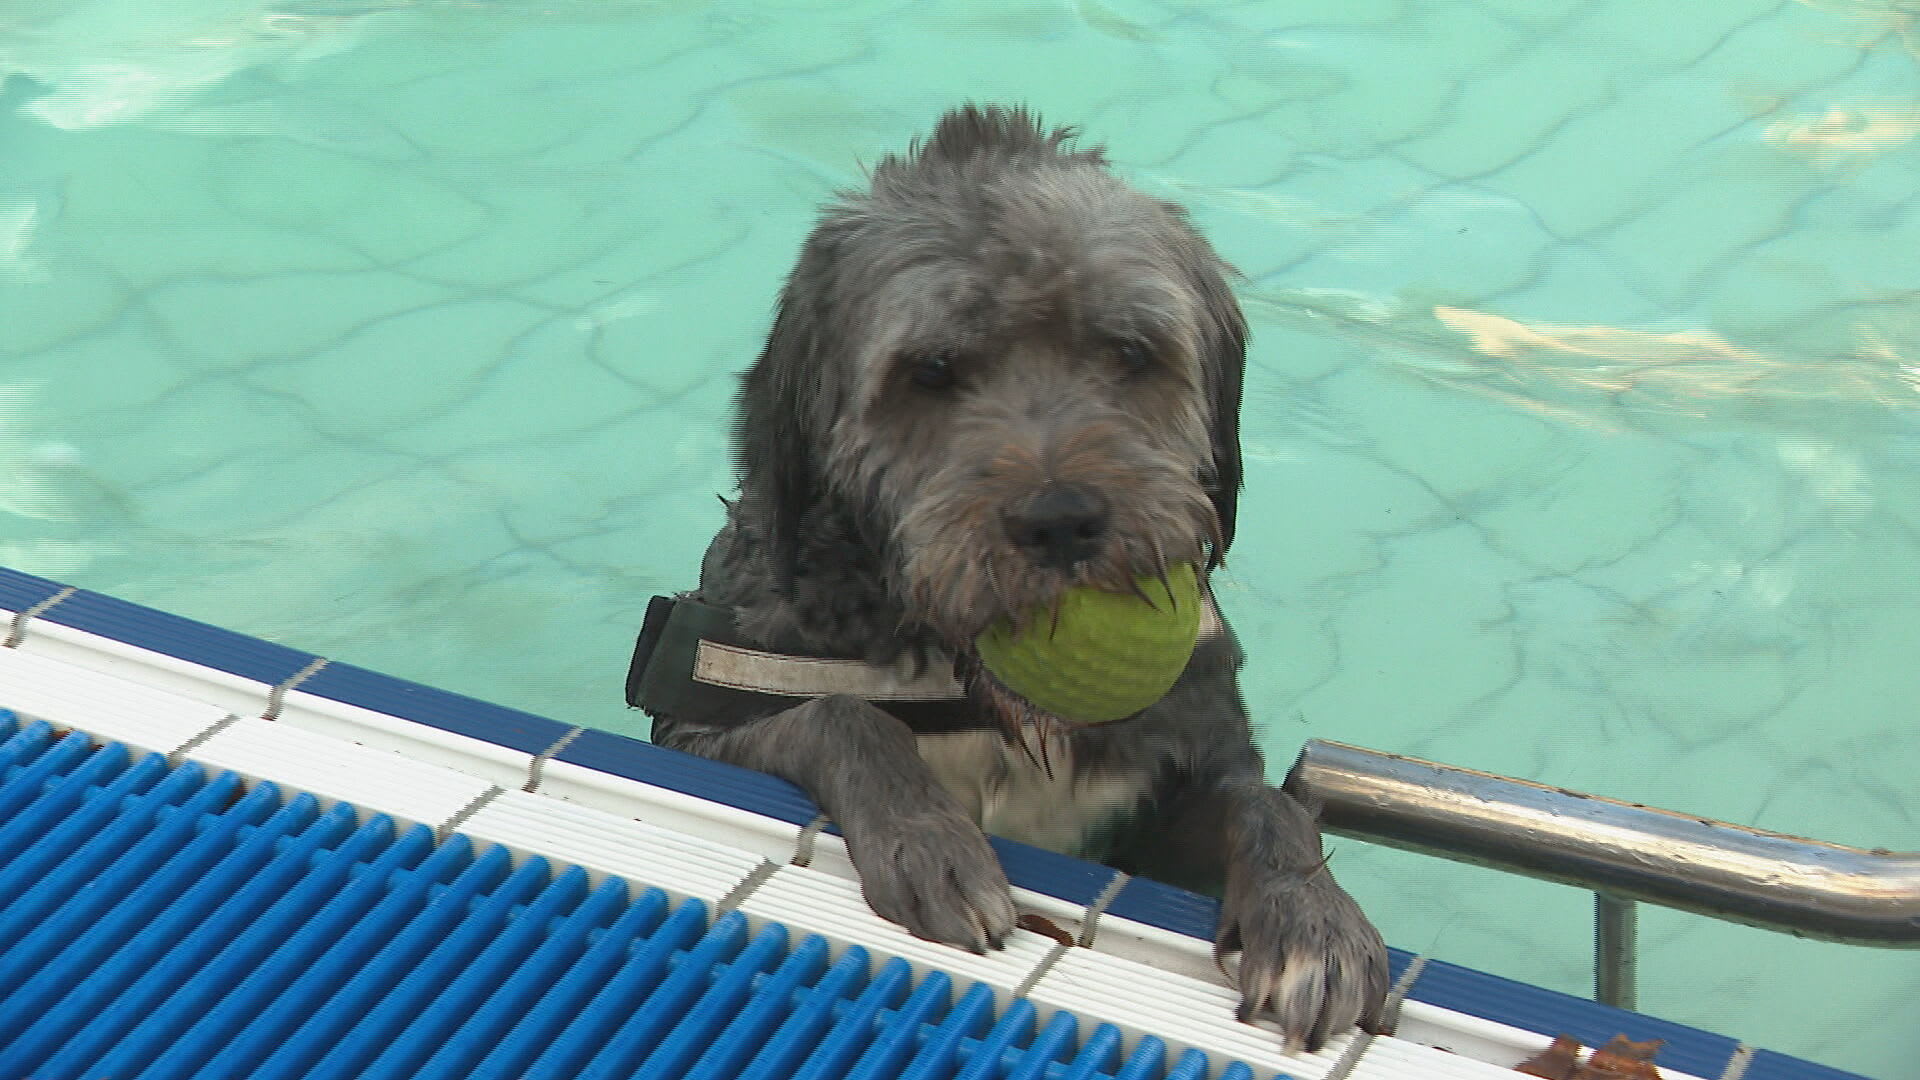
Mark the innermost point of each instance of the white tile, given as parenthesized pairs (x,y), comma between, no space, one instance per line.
(230,693)
(812,902)
(1182,1012)
(107,705)
(766,837)
(377,781)
(646,855)
(491,762)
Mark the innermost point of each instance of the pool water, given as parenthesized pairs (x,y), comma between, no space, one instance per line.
(1582,418)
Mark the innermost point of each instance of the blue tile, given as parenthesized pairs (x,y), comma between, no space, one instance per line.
(697,776)
(433,707)
(1168,908)
(1074,880)
(20,591)
(1767,1065)
(1397,961)
(184,639)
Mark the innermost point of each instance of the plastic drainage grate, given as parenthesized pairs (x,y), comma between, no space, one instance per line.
(159,922)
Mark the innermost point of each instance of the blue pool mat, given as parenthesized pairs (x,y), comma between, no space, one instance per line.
(160,922)
(1448,986)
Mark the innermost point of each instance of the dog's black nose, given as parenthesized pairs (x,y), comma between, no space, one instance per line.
(1060,526)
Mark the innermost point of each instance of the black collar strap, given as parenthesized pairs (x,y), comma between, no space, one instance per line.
(689,664)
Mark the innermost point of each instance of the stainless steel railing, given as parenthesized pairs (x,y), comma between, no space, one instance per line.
(1624,852)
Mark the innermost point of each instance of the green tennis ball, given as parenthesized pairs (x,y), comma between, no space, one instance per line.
(1108,655)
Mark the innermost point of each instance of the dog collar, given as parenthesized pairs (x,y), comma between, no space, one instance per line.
(690,664)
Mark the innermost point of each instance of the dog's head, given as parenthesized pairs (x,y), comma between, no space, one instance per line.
(1015,372)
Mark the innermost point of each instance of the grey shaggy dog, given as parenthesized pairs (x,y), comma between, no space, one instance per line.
(998,374)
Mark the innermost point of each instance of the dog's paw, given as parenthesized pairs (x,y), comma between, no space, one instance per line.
(1309,960)
(934,874)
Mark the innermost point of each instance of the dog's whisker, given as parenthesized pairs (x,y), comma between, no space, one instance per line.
(1001,600)
(1134,588)
(1018,729)
(1044,737)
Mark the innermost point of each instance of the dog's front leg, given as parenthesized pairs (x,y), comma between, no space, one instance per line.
(923,862)
(1308,958)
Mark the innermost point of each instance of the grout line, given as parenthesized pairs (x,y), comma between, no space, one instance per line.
(1390,1010)
(803,851)
(21,618)
(277,697)
(540,760)
(739,893)
(1389,1020)
(1349,1058)
(1737,1064)
(1099,906)
(180,753)
(1040,969)
(451,825)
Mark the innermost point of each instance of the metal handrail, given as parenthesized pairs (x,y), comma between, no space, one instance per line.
(1624,852)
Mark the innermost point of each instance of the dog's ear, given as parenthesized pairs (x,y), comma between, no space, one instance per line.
(1223,337)
(773,436)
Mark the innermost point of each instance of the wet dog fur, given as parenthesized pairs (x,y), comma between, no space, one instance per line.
(998,373)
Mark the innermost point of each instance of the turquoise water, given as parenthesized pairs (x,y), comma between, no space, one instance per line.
(1582,421)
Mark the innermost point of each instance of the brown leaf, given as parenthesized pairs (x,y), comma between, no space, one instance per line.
(1622,1059)
(1042,925)
(1557,1062)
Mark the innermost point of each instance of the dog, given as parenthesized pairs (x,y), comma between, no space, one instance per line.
(998,373)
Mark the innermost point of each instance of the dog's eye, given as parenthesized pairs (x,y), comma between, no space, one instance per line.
(1135,356)
(932,371)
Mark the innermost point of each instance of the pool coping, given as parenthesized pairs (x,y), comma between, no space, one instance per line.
(516,749)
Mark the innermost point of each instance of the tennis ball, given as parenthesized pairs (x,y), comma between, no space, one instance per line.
(1108,655)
